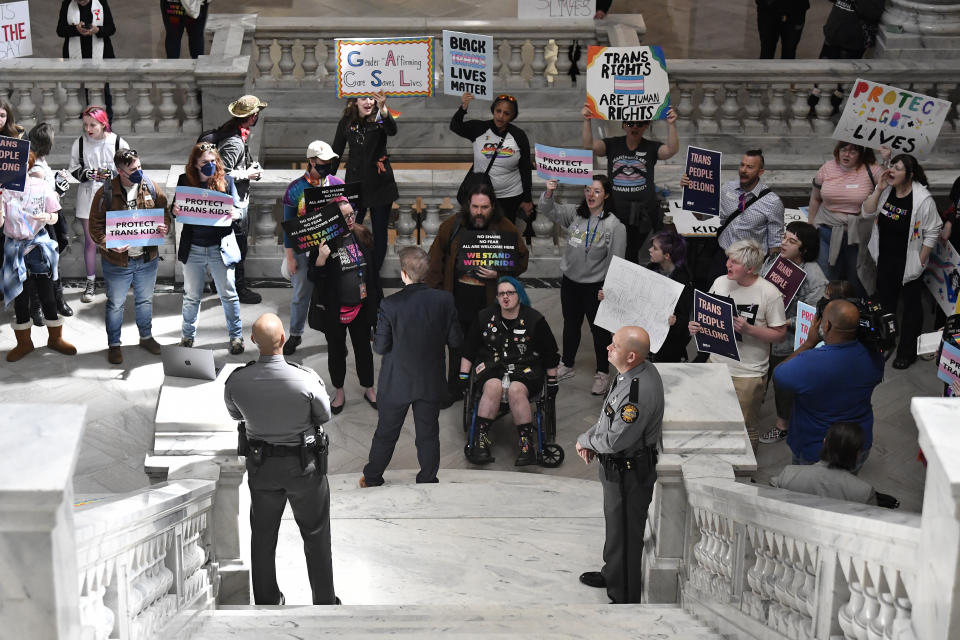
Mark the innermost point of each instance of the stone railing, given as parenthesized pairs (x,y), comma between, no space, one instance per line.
(144,563)
(302,52)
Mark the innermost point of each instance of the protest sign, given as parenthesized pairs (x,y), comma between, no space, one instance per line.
(487,249)
(786,277)
(319,224)
(805,315)
(204,207)
(552,9)
(134,228)
(942,276)
(569,166)
(703,193)
(949,368)
(635,295)
(316,197)
(627,83)
(15,38)
(396,66)
(14,156)
(468,64)
(796,215)
(878,115)
(716,334)
(689,225)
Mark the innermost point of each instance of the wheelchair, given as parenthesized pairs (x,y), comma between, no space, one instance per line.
(549,454)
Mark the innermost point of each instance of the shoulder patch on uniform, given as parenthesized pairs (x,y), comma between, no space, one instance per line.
(629,413)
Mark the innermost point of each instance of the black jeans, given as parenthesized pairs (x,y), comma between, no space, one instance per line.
(45,291)
(176,21)
(579,300)
(336,335)
(775,23)
(889,294)
(390,422)
(380,220)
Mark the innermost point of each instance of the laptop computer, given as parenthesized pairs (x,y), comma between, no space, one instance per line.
(188,362)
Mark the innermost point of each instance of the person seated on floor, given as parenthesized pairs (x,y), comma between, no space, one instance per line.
(833,476)
(509,338)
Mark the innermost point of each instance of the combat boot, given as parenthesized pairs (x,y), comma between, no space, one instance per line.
(527,455)
(481,450)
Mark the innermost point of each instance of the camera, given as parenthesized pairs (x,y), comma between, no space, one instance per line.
(877,330)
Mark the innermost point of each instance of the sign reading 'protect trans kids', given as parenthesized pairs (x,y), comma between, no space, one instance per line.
(396,66)
(878,115)
(627,83)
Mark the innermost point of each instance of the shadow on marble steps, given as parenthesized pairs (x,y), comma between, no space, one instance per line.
(469,621)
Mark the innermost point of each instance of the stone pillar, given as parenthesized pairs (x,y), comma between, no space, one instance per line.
(925,30)
(41,594)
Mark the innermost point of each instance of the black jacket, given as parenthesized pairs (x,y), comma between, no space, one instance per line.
(413,327)
(107,29)
(326,280)
(365,159)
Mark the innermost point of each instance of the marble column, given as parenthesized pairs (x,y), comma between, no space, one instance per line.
(919,30)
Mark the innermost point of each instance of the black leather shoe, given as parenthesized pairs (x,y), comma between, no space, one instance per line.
(593,579)
(904,362)
(247,296)
(290,346)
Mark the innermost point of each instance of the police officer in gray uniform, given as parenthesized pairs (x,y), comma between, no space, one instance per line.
(283,405)
(624,440)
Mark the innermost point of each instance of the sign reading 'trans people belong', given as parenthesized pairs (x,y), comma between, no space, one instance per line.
(627,83)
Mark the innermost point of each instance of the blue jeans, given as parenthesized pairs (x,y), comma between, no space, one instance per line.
(302,290)
(194,273)
(846,266)
(143,276)
(861,459)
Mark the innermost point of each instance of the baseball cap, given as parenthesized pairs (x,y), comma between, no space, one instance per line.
(320,149)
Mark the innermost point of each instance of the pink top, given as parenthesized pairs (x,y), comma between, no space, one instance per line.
(844,190)
(20,209)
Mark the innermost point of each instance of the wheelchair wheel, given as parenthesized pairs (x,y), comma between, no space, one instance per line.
(552,456)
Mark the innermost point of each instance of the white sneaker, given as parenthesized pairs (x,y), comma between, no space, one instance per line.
(600,381)
(88,292)
(564,372)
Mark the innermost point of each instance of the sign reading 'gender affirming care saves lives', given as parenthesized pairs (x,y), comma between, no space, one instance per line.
(878,115)
(134,228)
(570,166)
(396,66)
(627,83)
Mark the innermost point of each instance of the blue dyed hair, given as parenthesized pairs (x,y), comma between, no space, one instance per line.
(521,292)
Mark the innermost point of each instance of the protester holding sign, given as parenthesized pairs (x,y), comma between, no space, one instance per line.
(630,162)
(365,126)
(91,162)
(319,173)
(127,266)
(761,322)
(203,247)
(839,189)
(668,254)
(501,150)
(801,246)
(595,236)
(30,260)
(906,232)
(348,291)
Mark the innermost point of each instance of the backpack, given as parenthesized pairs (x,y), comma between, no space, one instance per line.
(215,136)
(116,147)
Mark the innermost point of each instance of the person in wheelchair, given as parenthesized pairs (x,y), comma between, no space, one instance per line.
(509,342)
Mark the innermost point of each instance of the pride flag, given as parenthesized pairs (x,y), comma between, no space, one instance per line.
(631,85)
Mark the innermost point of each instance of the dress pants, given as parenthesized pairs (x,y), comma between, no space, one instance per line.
(272,483)
(625,517)
(426,422)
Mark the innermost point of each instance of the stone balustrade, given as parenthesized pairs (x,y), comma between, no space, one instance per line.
(143,562)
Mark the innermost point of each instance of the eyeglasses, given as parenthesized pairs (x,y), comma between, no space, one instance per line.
(506,294)
(590,191)
(206,146)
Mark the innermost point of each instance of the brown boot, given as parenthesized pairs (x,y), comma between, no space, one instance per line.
(24,343)
(57,343)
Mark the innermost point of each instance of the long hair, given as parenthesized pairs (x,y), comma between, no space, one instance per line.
(480,189)
(352,113)
(914,170)
(10,129)
(608,205)
(218,181)
(97,113)
(363,234)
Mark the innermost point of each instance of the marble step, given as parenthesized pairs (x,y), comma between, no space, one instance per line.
(460,621)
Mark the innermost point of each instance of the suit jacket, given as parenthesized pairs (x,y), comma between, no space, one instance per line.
(413,326)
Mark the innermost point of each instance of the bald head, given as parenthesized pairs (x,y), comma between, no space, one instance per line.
(630,346)
(842,316)
(268,334)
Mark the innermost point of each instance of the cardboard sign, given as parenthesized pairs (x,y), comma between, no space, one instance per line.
(322,224)
(627,83)
(635,295)
(716,334)
(878,115)
(396,66)
(487,249)
(204,207)
(949,367)
(689,225)
(569,166)
(14,156)
(786,277)
(703,193)
(468,64)
(805,316)
(134,228)
(15,37)
(942,276)
(553,9)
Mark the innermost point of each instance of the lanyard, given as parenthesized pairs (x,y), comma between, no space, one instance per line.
(587,238)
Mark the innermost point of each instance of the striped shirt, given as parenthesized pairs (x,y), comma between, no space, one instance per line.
(762,221)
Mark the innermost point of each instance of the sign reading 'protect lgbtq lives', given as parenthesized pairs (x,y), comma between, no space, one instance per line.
(396,66)
(627,83)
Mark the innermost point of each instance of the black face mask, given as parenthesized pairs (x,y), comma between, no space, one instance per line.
(322,170)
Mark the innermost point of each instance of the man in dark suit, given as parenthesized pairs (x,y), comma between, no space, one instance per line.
(413,327)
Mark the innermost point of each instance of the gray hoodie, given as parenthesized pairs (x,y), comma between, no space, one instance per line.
(592,241)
